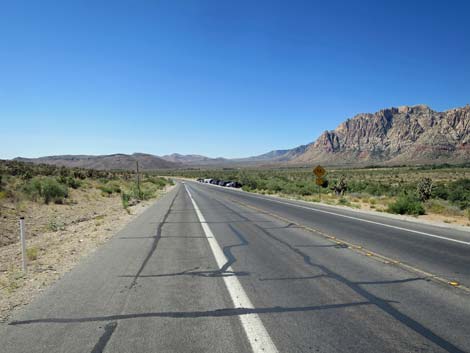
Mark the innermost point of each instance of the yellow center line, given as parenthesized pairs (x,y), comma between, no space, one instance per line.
(360,249)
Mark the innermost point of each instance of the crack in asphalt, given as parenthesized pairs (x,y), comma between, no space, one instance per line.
(154,243)
(384,305)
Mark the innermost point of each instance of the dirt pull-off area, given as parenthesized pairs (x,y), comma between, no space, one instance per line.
(58,236)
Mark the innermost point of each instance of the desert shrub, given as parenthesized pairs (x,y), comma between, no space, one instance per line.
(115,187)
(49,189)
(159,182)
(78,174)
(105,190)
(440,191)
(406,204)
(73,182)
(459,193)
(33,189)
(146,192)
(109,188)
(27,174)
(69,181)
(436,206)
(52,190)
(32,253)
(125,197)
(442,207)
(55,225)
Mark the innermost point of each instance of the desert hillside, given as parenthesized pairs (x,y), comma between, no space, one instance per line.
(105,162)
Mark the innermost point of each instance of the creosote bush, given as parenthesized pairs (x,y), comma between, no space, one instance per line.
(48,189)
(32,253)
(53,191)
(407,204)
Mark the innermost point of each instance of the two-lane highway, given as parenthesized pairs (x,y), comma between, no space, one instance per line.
(438,250)
(208,269)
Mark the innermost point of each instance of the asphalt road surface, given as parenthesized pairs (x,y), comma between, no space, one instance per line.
(209,269)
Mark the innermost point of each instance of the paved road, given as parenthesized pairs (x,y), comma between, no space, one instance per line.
(208,269)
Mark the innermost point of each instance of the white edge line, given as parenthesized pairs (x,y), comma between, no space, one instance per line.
(364,220)
(258,337)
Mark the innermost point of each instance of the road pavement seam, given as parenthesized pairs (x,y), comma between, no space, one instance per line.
(360,249)
(257,335)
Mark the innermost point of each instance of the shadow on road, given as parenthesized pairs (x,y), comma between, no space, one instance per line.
(191,314)
(380,303)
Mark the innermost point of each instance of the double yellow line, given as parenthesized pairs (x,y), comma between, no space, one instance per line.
(360,249)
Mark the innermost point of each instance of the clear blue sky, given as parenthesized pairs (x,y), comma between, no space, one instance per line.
(219,78)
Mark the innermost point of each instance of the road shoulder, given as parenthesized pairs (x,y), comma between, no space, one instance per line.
(60,253)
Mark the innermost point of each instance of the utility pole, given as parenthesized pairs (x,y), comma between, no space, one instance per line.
(138,179)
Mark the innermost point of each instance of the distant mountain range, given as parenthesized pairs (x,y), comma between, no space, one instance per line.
(106,162)
(403,135)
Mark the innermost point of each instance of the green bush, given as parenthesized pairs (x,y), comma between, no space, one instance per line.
(73,182)
(160,182)
(110,187)
(406,204)
(49,189)
(443,207)
(52,190)
(147,191)
(106,190)
(55,225)
(33,189)
(459,193)
(125,200)
(32,253)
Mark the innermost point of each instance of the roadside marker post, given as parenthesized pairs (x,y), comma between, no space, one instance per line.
(23,244)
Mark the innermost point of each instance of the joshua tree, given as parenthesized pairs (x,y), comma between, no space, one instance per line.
(424,189)
(341,186)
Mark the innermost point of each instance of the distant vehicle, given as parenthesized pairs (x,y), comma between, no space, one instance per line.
(234,184)
(200,180)
(222,183)
(208,181)
(214,181)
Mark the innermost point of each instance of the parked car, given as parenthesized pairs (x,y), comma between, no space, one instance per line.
(234,184)
(200,180)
